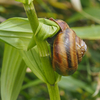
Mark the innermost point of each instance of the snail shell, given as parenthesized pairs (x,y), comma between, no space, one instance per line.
(68,50)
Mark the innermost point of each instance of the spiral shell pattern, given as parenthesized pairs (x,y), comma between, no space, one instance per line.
(68,50)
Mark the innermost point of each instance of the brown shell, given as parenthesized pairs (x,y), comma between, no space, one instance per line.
(68,50)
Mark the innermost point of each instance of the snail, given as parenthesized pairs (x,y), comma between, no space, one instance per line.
(68,50)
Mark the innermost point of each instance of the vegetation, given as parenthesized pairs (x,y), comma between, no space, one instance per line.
(24,43)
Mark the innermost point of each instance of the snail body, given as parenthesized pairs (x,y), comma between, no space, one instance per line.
(68,50)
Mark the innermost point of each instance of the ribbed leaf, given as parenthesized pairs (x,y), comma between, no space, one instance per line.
(17,31)
(40,64)
(32,60)
(13,72)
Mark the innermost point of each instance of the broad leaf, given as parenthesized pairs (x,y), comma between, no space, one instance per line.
(32,60)
(17,31)
(12,75)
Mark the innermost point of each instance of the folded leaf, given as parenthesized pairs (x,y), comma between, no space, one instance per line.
(17,31)
(12,75)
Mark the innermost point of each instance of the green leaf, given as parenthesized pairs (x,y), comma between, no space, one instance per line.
(92,13)
(32,60)
(72,84)
(12,75)
(89,13)
(90,32)
(77,16)
(25,1)
(43,49)
(35,62)
(17,31)
(46,28)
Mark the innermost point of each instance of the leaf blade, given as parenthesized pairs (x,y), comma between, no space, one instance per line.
(13,71)
(17,31)
(32,60)
(90,32)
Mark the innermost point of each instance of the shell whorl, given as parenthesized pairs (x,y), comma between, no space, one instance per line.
(68,50)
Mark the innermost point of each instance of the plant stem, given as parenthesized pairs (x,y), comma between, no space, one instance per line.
(53,92)
(44,53)
(45,59)
(42,45)
(31,14)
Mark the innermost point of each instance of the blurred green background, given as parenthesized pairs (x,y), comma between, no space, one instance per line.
(84,84)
